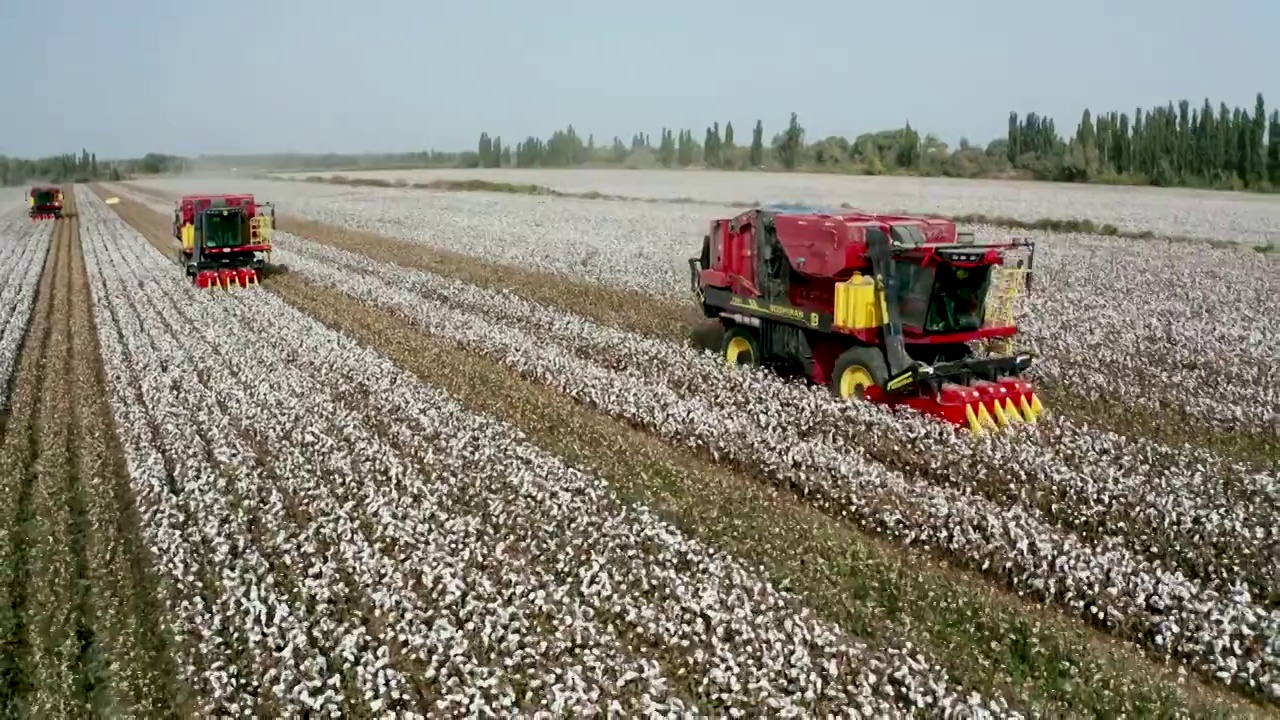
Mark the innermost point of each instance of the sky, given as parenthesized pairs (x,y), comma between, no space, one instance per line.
(127,77)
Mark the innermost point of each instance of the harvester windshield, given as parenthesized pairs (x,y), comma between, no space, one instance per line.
(907,235)
(914,285)
(224,229)
(43,196)
(936,296)
(959,299)
(941,298)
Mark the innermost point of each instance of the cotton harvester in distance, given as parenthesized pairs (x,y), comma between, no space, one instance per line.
(44,202)
(887,308)
(226,239)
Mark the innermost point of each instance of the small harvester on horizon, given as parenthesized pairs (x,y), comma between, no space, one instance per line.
(226,239)
(894,309)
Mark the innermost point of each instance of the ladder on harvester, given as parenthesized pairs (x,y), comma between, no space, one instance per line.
(1005,298)
(261,230)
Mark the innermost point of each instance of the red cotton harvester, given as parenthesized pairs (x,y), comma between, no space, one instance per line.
(226,239)
(882,307)
(44,202)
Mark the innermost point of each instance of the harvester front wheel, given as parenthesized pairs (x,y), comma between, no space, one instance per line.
(740,347)
(856,370)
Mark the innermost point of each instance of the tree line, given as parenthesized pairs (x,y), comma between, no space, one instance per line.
(86,167)
(1171,145)
(1200,147)
(56,169)
(1229,148)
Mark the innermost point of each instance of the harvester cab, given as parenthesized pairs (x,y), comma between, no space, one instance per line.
(226,239)
(44,202)
(895,309)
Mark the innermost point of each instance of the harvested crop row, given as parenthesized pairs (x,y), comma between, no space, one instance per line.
(1012,541)
(135,672)
(405,495)
(19,451)
(53,553)
(58,646)
(1119,323)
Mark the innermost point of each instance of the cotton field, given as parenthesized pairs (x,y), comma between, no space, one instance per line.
(1102,299)
(12,198)
(1180,212)
(243,506)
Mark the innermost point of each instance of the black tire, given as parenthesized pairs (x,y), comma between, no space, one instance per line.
(707,335)
(869,359)
(731,346)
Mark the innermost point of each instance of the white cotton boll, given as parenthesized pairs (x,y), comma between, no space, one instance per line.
(492,220)
(585,554)
(1109,538)
(708,398)
(24,246)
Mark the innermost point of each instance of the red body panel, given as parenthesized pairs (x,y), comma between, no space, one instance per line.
(189,204)
(824,250)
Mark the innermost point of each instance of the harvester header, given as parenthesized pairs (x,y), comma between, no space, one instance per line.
(883,307)
(226,239)
(44,202)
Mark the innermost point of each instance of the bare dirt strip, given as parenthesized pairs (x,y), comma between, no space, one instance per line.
(78,620)
(680,321)
(986,639)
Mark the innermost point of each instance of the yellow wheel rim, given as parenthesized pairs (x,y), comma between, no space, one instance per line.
(854,381)
(737,349)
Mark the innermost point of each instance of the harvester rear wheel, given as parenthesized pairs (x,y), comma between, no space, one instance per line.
(740,347)
(858,369)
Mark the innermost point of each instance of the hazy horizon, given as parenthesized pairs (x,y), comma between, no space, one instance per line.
(395,76)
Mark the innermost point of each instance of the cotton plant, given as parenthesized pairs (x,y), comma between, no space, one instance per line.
(335,537)
(1132,538)
(24,246)
(1156,542)
(1158,324)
